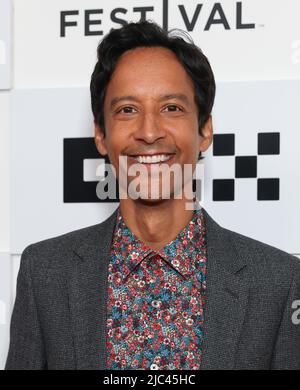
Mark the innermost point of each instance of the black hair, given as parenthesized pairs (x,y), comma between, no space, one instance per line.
(149,34)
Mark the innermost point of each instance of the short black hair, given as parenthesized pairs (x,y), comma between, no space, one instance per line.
(149,34)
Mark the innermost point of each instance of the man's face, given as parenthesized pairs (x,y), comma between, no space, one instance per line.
(150,109)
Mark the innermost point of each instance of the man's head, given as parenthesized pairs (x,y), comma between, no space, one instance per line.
(147,34)
(152,94)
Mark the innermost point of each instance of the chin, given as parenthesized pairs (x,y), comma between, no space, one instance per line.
(151,202)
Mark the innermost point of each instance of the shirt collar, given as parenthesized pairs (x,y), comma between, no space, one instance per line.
(180,253)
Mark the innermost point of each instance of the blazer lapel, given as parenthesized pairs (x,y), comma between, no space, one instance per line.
(87,287)
(226,299)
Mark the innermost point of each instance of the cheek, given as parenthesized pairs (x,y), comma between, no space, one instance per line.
(188,141)
(192,152)
(115,145)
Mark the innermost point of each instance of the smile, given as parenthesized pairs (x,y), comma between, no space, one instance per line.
(152,159)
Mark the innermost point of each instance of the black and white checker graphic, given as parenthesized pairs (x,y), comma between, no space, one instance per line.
(246,167)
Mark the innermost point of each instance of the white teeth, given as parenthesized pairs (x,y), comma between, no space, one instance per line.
(152,159)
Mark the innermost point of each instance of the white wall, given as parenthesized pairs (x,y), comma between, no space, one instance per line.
(6,281)
(4,170)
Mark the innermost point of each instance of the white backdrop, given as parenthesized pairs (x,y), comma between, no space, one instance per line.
(44,99)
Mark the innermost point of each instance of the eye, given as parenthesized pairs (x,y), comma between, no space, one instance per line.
(126,110)
(172,108)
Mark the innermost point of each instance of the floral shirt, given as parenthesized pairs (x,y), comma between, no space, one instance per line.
(156,300)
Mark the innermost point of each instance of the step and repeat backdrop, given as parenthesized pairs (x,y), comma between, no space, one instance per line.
(250,177)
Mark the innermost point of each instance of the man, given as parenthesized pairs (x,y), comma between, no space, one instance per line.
(158,285)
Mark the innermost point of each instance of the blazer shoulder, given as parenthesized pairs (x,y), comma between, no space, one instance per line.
(262,255)
(61,241)
(59,247)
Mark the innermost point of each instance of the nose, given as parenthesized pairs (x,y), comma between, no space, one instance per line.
(150,129)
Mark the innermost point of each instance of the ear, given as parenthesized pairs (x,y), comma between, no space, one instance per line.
(100,139)
(206,137)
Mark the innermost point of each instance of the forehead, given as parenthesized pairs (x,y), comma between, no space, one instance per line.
(149,72)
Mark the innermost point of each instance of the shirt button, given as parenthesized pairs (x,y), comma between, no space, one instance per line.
(154,366)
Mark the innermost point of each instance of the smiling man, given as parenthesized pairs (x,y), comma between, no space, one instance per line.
(158,285)
(150,109)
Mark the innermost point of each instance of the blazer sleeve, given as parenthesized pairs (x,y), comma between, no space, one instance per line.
(26,348)
(286,354)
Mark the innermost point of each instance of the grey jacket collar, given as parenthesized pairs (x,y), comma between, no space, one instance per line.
(226,297)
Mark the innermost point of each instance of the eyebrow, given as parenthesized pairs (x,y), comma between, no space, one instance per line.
(178,96)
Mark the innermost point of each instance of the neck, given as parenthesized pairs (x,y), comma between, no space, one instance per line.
(155,222)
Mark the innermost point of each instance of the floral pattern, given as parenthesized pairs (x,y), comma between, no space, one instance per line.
(156,300)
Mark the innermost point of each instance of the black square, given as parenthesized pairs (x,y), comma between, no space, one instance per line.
(223,145)
(245,166)
(223,190)
(75,189)
(268,189)
(268,143)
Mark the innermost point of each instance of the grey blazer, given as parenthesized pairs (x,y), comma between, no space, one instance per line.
(59,316)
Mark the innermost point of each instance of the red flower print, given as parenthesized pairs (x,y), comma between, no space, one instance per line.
(194,291)
(156,326)
(157,360)
(175,263)
(144,362)
(134,255)
(190,355)
(158,297)
(189,322)
(109,322)
(159,272)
